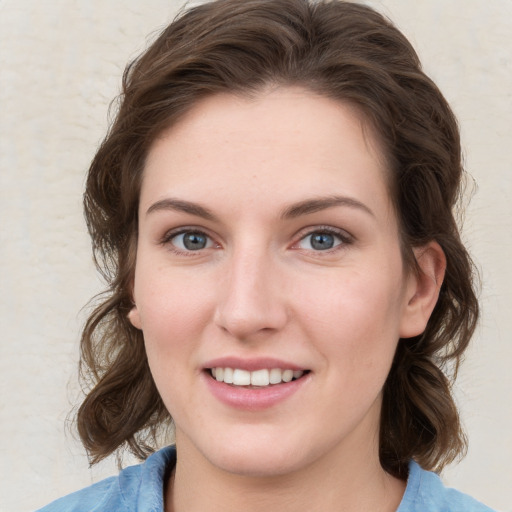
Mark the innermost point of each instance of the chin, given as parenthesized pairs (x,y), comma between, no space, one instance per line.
(255,457)
(254,464)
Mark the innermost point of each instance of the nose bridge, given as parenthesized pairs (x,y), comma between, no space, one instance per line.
(251,300)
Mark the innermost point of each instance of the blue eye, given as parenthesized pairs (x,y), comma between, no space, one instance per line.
(320,241)
(191,241)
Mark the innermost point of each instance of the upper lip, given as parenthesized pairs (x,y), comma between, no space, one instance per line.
(252,364)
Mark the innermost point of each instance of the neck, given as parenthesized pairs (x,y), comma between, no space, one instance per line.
(336,483)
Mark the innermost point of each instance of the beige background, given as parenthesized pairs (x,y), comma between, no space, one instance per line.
(60,65)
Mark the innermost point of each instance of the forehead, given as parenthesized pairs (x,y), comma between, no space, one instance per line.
(288,140)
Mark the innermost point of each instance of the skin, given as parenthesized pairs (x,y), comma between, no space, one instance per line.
(260,289)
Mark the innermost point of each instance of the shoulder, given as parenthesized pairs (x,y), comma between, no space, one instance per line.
(124,491)
(426,493)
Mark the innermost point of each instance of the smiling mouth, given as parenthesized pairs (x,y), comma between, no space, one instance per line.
(255,379)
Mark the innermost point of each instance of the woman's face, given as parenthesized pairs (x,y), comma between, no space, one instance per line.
(268,245)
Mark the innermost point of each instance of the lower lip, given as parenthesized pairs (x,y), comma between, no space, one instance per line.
(253,399)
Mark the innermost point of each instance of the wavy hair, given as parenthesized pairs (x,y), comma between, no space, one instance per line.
(341,50)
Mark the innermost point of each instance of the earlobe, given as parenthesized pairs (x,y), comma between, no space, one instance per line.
(423,288)
(134,318)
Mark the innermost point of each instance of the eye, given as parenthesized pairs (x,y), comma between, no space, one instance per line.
(321,240)
(191,241)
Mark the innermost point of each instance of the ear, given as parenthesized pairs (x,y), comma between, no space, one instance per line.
(134,317)
(423,288)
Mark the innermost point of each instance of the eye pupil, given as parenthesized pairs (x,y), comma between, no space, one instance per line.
(322,241)
(194,241)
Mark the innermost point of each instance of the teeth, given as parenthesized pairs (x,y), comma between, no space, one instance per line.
(275,375)
(228,375)
(260,378)
(287,375)
(241,377)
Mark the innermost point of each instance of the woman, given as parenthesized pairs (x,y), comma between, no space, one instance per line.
(272,209)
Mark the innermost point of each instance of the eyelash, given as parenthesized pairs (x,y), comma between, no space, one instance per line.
(343,236)
(167,240)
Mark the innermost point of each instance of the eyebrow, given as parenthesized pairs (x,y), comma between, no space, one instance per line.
(293,211)
(180,205)
(322,203)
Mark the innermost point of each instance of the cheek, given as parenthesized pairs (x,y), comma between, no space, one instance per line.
(173,311)
(355,319)
(360,299)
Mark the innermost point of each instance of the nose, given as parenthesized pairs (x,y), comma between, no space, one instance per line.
(252,300)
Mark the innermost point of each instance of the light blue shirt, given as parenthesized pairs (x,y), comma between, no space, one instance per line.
(140,489)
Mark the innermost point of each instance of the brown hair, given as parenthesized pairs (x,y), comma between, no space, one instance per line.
(337,49)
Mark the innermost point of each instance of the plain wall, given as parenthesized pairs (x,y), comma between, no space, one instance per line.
(60,66)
